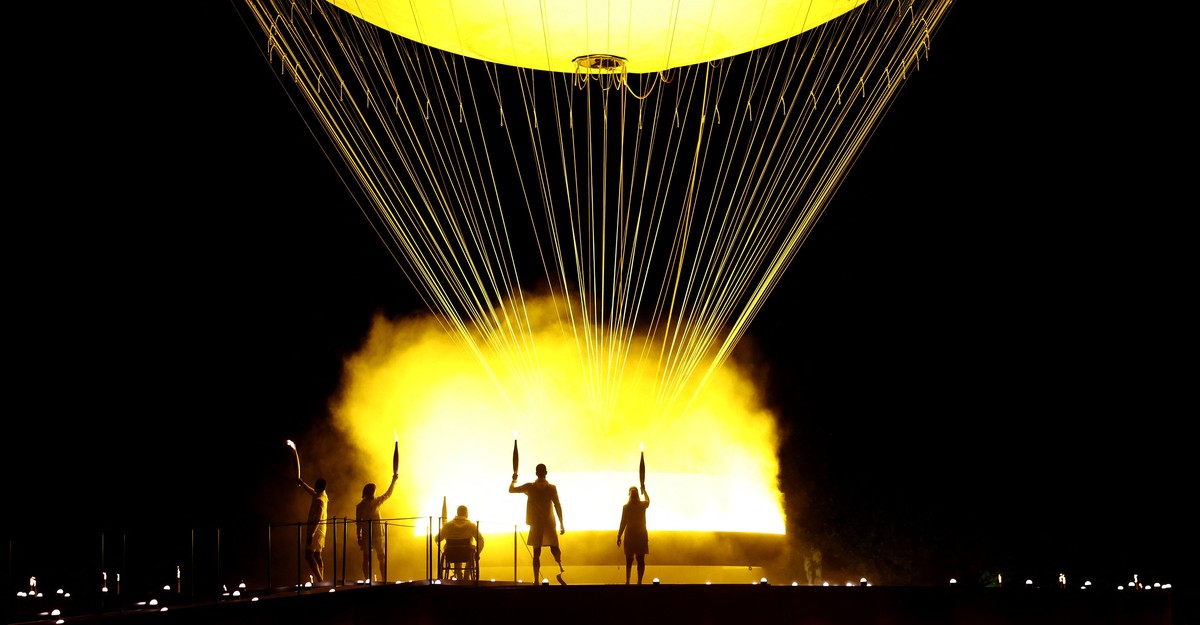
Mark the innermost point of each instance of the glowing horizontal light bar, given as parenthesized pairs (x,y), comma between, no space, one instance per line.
(593,500)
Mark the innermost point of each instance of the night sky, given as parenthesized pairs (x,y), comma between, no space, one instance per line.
(1001,367)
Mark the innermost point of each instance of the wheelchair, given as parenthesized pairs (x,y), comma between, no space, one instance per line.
(459,552)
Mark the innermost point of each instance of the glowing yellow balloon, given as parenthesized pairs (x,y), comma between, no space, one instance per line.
(561,35)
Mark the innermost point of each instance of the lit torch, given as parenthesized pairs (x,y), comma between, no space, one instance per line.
(297,453)
(642,467)
(515,456)
(396,454)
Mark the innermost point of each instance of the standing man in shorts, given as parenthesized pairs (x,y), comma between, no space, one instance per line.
(318,515)
(540,509)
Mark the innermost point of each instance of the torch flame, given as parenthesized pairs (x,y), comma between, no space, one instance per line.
(296,452)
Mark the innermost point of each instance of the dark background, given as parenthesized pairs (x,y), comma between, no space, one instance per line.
(1000,377)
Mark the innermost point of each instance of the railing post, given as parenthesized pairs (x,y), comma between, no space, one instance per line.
(333,535)
(124,559)
(217,580)
(299,558)
(270,586)
(103,574)
(192,566)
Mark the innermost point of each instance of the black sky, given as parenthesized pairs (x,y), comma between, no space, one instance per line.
(1000,295)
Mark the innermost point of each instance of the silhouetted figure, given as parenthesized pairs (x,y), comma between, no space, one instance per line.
(369,527)
(460,528)
(540,509)
(637,538)
(314,542)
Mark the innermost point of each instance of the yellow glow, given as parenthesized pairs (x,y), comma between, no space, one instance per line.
(714,467)
(651,35)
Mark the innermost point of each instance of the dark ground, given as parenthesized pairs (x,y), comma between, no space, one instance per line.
(695,604)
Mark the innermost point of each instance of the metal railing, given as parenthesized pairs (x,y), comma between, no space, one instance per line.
(61,573)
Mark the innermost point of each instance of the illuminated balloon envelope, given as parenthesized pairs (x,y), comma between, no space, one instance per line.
(647,35)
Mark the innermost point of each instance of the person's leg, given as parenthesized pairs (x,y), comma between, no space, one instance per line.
(366,564)
(320,567)
(537,565)
(641,559)
(628,567)
(557,553)
(381,551)
(312,565)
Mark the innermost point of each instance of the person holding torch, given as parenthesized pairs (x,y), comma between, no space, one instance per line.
(370,528)
(540,508)
(318,515)
(633,526)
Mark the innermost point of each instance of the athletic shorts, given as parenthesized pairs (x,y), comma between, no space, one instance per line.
(543,535)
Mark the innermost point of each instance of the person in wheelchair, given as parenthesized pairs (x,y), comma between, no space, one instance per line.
(464,543)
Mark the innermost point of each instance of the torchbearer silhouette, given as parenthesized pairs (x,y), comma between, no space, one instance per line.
(633,525)
(369,525)
(541,505)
